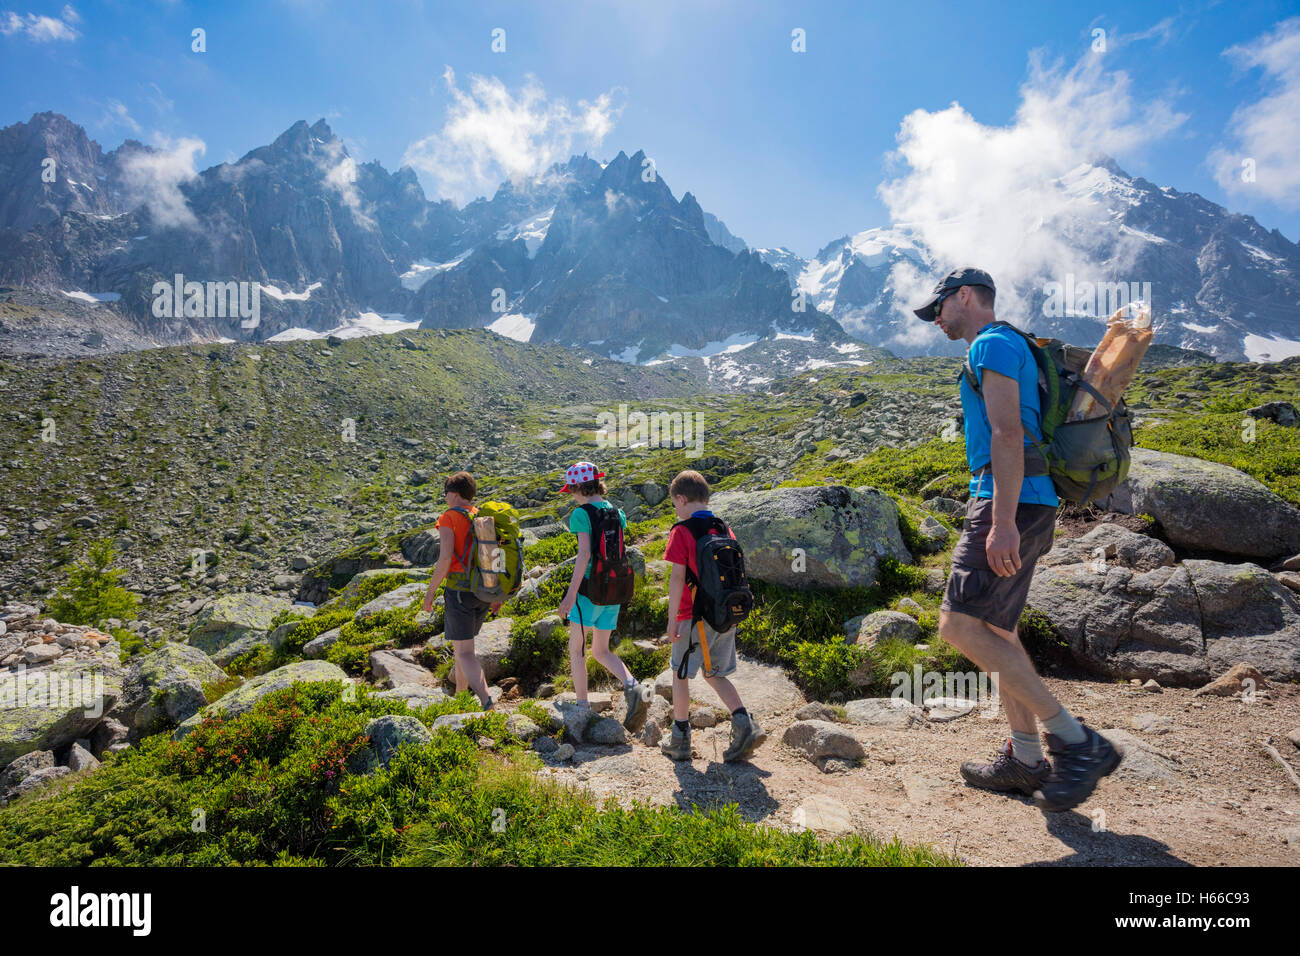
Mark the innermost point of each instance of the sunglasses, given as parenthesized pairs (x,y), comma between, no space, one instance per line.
(938,306)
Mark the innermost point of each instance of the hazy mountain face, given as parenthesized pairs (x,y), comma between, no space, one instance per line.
(603,256)
(1219,282)
(587,254)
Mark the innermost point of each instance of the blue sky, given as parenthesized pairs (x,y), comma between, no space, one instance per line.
(787,148)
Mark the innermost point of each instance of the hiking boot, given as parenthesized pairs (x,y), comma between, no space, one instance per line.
(637,708)
(677,745)
(746,737)
(1006,773)
(1076,768)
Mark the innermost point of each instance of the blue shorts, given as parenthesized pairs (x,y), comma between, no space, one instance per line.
(603,617)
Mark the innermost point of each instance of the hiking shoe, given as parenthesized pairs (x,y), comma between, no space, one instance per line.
(637,708)
(1076,768)
(746,737)
(677,745)
(1006,773)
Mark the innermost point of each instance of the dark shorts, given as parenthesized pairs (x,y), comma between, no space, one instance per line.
(465,615)
(973,588)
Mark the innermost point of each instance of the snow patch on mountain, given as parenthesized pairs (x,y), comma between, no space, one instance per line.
(515,326)
(367,323)
(1261,349)
(422,270)
(94,298)
(531,231)
(275,293)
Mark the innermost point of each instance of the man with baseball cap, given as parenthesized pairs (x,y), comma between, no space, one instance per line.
(1010,522)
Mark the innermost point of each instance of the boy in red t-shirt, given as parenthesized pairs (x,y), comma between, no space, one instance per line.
(695,644)
(465,612)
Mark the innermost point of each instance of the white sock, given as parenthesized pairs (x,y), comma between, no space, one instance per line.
(1026,748)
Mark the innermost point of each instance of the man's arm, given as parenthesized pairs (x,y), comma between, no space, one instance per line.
(1006,446)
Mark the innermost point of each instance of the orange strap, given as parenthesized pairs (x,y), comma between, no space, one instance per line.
(704,649)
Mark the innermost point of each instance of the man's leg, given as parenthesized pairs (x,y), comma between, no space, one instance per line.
(996,651)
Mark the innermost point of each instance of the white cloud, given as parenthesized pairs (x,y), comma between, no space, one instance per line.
(154,179)
(339,171)
(1266,131)
(116,114)
(994,197)
(490,133)
(39,28)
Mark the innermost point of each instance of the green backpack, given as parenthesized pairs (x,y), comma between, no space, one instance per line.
(1086,459)
(510,547)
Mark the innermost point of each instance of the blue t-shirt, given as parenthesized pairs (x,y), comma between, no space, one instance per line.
(579,520)
(1004,351)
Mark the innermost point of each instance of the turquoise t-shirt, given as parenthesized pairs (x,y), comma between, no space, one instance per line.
(579,521)
(1004,351)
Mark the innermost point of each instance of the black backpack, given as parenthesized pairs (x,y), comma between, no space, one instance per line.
(611,580)
(722,595)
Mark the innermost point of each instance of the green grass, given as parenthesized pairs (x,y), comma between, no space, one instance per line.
(281,786)
(1273,457)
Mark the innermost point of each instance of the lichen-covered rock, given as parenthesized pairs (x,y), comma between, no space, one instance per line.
(48,707)
(841,534)
(318,646)
(883,626)
(243,698)
(1207,506)
(165,686)
(399,597)
(231,618)
(390,733)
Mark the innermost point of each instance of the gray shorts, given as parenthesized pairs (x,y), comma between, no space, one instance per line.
(464,615)
(973,588)
(721,647)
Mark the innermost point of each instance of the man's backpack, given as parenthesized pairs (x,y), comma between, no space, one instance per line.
(496,583)
(611,579)
(1086,459)
(722,595)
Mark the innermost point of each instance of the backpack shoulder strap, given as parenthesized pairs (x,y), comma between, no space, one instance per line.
(1039,355)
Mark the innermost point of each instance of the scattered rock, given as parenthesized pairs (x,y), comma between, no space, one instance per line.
(165,687)
(1141,760)
(823,814)
(391,670)
(1242,677)
(816,711)
(891,712)
(1151,723)
(819,739)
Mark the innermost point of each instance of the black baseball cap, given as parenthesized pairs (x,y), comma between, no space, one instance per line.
(954,280)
